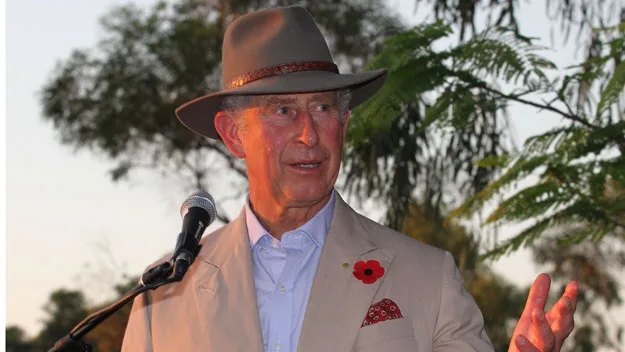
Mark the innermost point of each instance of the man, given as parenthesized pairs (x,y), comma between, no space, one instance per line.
(299,270)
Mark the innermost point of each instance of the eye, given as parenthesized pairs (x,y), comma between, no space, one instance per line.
(322,107)
(284,110)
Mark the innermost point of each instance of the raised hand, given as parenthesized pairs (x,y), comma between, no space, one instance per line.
(540,332)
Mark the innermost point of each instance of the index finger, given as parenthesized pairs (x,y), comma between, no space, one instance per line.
(539,292)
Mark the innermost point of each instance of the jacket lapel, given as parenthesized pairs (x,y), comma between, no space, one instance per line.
(225,294)
(338,301)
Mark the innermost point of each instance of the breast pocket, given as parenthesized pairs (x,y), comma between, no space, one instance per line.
(390,335)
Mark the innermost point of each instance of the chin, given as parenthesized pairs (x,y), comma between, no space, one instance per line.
(308,195)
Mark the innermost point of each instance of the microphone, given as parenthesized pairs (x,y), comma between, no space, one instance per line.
(198,212)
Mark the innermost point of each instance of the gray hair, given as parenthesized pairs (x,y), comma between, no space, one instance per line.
(234,104)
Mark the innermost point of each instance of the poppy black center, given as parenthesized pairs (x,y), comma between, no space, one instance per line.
(368,272)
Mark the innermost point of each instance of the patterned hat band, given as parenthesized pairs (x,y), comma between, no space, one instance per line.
(279,69)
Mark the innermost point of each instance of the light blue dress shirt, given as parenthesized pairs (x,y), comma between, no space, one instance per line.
(283,273)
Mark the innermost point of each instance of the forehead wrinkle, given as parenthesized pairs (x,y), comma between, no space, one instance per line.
(276,100)
(321,96)
(270,100)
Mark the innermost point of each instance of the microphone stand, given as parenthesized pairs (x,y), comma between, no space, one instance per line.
(152,279)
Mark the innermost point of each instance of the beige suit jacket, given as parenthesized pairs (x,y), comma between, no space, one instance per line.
(214,307)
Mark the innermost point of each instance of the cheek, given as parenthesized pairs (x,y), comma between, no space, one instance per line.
(334,147)
(270,144)
(334,139)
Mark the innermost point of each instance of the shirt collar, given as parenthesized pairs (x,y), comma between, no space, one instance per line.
(316,228)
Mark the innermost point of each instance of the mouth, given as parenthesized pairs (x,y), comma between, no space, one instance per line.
(306,166)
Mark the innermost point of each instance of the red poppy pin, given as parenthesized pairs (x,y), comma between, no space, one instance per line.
(368,272)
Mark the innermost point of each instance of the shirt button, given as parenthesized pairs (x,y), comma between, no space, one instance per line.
(277,347)
(275,244)
(282,289)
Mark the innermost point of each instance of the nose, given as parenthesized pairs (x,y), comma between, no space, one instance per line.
(308,134)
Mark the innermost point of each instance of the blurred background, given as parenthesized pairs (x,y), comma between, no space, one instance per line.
(499,137)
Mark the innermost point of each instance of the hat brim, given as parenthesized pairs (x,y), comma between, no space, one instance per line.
(198,115)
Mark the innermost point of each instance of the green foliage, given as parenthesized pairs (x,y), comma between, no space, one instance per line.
(580,167)
(64,310)
(612,91)
(16,340)
(502,53)
(469,16)
(119,99)
(414,69)
(404,140)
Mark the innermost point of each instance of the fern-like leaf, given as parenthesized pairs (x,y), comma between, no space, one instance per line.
(519,169)
(613,89)
(528,236)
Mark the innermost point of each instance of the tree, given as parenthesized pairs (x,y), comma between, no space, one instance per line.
(589,263)
(16,340)
(578,15)
(394,152)
(64,310)
(580,166)
(579,196)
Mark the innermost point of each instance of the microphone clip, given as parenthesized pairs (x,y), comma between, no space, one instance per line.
(156,273)
(183,261)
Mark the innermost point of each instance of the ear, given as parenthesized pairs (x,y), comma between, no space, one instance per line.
(229,133)
(348,114)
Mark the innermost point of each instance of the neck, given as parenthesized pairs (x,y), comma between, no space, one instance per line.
(278,218)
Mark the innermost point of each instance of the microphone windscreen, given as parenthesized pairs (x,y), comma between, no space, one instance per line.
(200,199)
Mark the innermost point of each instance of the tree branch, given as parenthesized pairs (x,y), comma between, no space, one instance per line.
(468,78)
(541,106)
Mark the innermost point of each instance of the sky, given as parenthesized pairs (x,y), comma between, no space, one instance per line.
(2,162)
(68,224)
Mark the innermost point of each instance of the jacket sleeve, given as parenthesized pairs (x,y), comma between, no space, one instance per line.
(138,336)
(460,324)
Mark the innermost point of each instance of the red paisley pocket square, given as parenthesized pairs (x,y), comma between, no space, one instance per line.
(384,310)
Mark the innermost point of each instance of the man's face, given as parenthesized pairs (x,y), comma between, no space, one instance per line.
(292,146)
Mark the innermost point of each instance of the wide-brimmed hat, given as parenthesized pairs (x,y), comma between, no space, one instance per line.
(275,51)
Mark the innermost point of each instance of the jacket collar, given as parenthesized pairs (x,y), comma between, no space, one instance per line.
(226,296)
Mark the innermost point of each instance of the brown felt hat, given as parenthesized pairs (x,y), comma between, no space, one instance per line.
(275,51)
